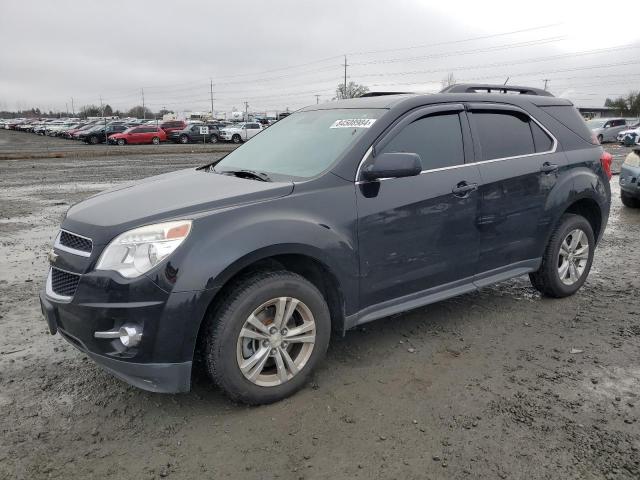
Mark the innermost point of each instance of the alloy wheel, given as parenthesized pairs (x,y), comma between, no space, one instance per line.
(276,341)
(573,256)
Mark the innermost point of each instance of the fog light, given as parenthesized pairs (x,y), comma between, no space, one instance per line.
(129,335)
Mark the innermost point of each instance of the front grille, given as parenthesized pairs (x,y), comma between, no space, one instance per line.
(76,242)
(64,283)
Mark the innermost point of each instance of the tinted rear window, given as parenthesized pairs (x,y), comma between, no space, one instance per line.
(570,118)
(503,134)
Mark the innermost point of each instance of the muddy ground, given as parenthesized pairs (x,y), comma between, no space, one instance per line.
(500,383)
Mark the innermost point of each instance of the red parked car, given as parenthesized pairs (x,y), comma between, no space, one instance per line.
(173,126)
(143,134)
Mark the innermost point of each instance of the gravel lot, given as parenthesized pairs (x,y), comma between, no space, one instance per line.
(500,383)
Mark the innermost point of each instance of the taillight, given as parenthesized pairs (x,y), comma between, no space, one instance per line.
(605,160)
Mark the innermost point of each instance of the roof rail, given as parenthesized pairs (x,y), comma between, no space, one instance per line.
(380,94)
(487,88)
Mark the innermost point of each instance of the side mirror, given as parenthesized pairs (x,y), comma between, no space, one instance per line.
(393,165)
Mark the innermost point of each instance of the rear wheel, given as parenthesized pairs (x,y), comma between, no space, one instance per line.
(567,259)
(629,201)
(213,139)
(155,141)
(93,140)
(266,337)
(184,139)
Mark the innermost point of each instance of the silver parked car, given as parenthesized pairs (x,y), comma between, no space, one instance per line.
(607,129)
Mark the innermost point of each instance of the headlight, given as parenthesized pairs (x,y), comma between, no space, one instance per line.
(632,160)
(137,251)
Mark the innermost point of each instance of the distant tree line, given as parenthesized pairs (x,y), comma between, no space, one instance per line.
(629,105)
(87,111)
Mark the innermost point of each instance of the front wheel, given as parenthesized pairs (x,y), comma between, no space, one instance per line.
(184,139)
(600,138)
(236,138)
(567,259)
(155,141)
(266,336)
(93,140)
(121,141)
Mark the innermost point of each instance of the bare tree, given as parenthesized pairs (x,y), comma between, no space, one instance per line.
(353,90)
(448,80)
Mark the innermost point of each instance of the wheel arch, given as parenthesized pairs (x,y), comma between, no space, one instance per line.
(298,259)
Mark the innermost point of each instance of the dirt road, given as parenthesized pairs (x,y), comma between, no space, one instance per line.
(500,383)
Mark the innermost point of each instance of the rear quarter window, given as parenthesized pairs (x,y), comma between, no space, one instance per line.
(569,116)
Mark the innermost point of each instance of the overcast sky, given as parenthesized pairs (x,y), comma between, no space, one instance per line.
(280,54)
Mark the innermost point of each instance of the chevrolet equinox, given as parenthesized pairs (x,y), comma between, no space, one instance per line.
(335,216)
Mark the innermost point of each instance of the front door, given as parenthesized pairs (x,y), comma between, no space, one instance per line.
(519,167)
(419,233)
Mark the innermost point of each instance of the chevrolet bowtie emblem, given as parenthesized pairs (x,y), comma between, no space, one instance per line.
(52,256)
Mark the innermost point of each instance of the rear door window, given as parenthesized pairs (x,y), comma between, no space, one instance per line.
(503,134)
(542,141)
(436,138)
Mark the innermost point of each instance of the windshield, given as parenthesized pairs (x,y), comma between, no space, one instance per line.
(303,144)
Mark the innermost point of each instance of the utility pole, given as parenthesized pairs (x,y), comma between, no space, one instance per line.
(546,80)
(345,76)
(211,93)
(505,82)
(73,110)
(144,112)
(246,111)
(317,99)
(66,109)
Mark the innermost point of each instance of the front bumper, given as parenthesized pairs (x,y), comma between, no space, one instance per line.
(103,301)
(153,377)
(630,180)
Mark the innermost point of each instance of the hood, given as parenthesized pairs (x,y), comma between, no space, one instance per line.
(180,194)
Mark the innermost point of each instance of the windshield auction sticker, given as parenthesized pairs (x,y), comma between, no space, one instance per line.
(353,123)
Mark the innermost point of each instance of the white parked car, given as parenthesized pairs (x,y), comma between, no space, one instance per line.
(240,132)
(633,130)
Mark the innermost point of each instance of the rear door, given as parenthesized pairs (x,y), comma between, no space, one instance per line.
(417,234)
(519,166)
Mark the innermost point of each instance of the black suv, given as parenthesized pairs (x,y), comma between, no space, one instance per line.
(196,133)
(339,214)
(99,134)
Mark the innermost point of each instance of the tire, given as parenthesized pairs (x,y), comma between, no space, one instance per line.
(155,141)
(213,139)
(184,139)
(629,201)
(121,141)
(226,348)
(547,280)
(93,140)
(600,138)
(236,138)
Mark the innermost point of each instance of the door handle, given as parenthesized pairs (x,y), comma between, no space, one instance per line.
(463,189)
(548,167)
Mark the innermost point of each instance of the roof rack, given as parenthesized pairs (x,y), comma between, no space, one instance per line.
(487,88)
(380,94)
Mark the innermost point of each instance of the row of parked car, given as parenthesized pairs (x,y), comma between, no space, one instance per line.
(622,130)
(136,131)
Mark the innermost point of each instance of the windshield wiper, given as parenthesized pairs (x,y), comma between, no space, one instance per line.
(263,177)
